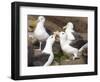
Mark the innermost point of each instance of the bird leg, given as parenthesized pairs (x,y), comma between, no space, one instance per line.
(75,56)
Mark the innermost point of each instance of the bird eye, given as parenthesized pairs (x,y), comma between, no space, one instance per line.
(51,36)
(62,33)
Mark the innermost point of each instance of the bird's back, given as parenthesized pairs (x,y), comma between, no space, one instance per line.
(78,43)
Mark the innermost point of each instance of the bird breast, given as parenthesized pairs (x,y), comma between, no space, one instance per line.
(70,36)
(69,49)
(41,34)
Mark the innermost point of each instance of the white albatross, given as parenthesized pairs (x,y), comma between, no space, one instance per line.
(48,49)
(68,48)
(40,32)
(71,33)
(47,56)
(69,30)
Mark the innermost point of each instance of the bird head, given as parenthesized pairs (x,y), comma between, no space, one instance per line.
(51,39)
(62,35)
(68,26)
(41,19)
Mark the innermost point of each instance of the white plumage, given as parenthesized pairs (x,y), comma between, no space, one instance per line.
(65,45)
(44,58)
(48,49)
(69,30)
(71,42)
(40,32)
(67,48)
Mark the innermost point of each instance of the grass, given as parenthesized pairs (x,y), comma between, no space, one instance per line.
(60,57)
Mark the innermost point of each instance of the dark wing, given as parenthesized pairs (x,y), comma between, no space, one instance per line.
(77,36)
(78,43)
(48,31)
(40,60)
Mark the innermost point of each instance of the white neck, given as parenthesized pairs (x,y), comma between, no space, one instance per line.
(50,60)
(40,24)
(64,42)
(68,30)
(70,36)
(48,47)
(40,27)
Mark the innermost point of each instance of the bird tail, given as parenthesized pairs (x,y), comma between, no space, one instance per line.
(83,47)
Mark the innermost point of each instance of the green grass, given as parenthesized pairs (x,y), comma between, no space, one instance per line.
(60,57)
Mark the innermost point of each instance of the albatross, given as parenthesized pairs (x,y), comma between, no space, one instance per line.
(40,33)
(46,57)
(69,30)
(71,46)
(76,39)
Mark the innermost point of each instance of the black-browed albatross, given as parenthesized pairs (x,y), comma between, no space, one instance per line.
(68,48)
(47,56)
(76,40)
(40,32)
(69,30)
